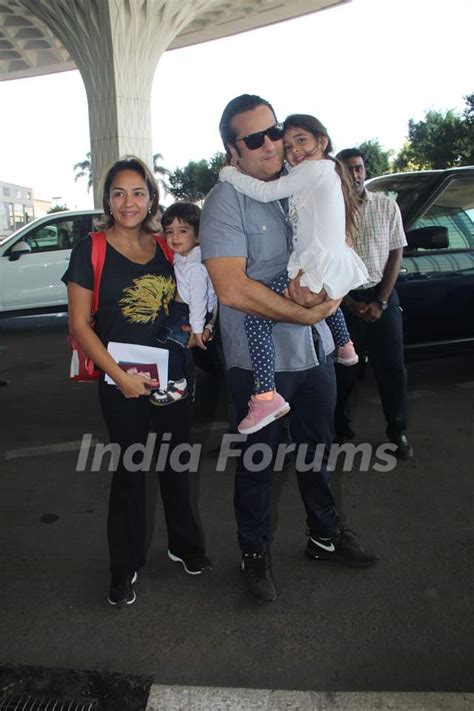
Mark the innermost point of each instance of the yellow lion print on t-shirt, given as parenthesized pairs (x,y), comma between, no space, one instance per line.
(142,302)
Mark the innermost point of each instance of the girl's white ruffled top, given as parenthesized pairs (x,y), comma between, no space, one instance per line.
(317,213)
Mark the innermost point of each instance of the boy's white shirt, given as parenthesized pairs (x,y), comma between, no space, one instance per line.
(317,213)
(194,287)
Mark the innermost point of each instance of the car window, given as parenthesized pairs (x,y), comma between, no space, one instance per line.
(407,189)
(440,264)
(60,234)
(454,209)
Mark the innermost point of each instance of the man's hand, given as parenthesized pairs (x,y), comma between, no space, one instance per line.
(367,312)
(372,312)
(235,289)
(326,309)
(302,295)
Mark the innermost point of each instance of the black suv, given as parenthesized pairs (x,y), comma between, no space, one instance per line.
(436,282)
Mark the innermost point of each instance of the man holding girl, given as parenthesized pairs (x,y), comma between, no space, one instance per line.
(246,244)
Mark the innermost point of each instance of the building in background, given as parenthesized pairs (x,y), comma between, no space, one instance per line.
(41,205)
(16,207)
(19,205)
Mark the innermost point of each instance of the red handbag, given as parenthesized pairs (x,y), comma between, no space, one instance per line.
(83,368)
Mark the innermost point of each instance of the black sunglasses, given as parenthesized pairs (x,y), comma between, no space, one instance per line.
(256,140)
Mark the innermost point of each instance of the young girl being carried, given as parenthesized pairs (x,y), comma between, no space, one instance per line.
(322,210)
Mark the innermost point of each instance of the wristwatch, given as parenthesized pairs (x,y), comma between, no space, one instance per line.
(383,304)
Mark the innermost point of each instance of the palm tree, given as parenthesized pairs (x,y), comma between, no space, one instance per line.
(84,170)
(162,172)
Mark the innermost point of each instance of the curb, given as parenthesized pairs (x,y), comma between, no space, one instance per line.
(201,698)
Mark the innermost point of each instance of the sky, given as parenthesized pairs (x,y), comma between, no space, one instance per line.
(363,68)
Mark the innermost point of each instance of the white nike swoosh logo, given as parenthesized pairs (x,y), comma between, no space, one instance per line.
(329,548)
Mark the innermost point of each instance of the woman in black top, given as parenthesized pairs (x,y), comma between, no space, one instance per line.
(136,287)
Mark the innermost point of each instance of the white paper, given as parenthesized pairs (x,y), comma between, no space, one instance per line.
(130,352)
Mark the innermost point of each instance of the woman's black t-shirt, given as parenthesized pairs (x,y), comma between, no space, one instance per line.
(133,298)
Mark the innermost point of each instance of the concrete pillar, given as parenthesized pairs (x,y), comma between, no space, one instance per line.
(116,45)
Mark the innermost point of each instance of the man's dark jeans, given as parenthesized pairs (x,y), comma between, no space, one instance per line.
(383,341)
(312,395)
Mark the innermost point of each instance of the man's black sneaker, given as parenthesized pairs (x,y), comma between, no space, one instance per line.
(343,548)
(193,565)
(122,594)
(258,576)
(404,449)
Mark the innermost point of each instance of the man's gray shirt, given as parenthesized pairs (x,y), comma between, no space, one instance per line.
(233,225)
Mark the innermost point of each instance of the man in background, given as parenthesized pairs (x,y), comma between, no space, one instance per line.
(373,313)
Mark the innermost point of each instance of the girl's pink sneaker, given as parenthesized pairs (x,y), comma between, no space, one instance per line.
(263,413)
(346,354)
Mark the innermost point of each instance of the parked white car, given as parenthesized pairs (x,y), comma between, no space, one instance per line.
(34,258)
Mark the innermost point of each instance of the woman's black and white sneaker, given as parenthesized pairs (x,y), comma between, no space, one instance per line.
(122,594)
(177,390)
(193,565)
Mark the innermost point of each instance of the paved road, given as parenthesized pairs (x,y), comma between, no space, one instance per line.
(404,625)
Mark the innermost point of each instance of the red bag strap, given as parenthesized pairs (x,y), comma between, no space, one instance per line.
(99,247)
(161,241)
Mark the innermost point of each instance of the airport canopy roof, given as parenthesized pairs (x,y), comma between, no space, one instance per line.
(29,48)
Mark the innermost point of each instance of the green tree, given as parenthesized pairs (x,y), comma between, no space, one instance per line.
(440,140)
(56,208)
(215,164)
(469,109)
(378,160)
(466,145)
(196,179)
(83,169)
(184,181)
(405,160)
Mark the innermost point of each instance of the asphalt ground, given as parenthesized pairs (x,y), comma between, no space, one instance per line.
(403,625)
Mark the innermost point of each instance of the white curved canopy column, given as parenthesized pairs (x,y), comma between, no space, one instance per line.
(116,45)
